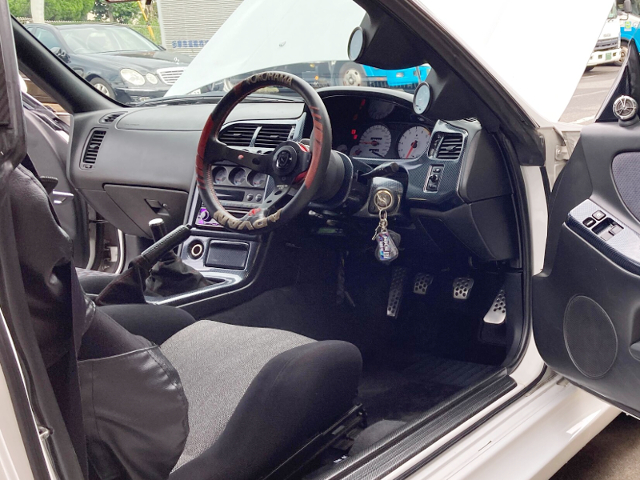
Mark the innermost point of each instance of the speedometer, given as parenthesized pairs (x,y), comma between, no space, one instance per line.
(413,143)
(375,142)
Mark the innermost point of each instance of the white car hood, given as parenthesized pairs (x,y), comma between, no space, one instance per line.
(264,33)
(537,50)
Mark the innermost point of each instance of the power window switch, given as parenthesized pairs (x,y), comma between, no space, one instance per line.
(615,229)
(589,222)
(599,215)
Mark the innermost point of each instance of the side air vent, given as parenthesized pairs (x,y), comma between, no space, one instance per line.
(448,146)
(111,117)
(270,136)
(90,154)
(238,135)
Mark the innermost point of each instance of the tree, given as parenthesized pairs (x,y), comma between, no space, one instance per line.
(116,12)
(20,8)
(69,10)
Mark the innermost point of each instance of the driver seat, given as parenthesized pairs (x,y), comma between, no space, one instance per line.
(255,396)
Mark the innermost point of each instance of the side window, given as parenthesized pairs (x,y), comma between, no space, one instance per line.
(48,39)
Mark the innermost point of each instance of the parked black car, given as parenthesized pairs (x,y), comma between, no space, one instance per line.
(118,61)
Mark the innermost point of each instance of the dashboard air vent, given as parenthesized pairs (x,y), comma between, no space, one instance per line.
(93,147)
(448,146)
(270,136)
(111,117)
(238,135)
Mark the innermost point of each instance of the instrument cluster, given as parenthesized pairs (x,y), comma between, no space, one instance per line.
(380,130)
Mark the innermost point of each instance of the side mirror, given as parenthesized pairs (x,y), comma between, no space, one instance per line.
(627,6)
(60,53)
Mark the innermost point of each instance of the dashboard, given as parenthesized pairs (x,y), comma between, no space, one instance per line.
(136,164)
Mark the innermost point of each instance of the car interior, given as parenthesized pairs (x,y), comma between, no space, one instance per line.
(320,220)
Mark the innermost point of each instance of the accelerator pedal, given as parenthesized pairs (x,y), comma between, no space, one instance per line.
(497,314)
(421,283)
(396,291)
(462,288)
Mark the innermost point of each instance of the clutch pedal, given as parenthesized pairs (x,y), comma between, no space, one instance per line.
(498,311)
(421,283)
(462,288)
(396,291)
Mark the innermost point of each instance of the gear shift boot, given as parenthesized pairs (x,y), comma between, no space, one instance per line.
(170,275)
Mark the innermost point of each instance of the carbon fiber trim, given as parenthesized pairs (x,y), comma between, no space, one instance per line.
(418,170)
(389,454)
(623,248)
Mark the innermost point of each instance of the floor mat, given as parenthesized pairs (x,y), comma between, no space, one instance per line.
(397,386)
(407,364)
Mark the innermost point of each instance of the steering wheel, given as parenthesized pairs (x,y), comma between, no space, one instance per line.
(292,165)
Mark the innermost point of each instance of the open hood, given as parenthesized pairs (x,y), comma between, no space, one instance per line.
(261,34)
(537,50)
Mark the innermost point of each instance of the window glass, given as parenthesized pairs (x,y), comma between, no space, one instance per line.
(48,39)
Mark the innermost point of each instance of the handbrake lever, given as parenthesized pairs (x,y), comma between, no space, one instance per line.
(166,243)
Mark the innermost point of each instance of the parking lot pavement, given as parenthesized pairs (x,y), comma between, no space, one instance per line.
(590,94)
(613,454)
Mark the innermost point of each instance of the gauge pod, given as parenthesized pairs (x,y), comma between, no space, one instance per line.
(355,48)
(422,98)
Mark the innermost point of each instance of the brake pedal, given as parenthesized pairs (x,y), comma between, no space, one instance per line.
(396,291)
(421,283)
(498,311)
(462,288)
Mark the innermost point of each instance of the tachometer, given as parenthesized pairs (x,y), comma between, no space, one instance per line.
(375,142)
(413,143)
(379,109)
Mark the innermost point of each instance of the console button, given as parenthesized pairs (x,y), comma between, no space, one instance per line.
(589,222)
(249,197)
(259,197)
(599,215)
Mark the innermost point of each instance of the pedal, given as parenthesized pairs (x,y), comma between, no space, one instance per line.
(396,291)
(462,288)
(421,283)
(498,311)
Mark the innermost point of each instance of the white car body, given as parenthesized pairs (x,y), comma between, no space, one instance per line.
(544,411)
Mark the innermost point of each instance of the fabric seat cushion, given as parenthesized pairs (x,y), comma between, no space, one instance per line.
(217,362)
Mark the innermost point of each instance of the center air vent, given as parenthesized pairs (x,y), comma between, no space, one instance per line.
(90,154)
(111,117)
(270,136)
(238,135)
(446,146)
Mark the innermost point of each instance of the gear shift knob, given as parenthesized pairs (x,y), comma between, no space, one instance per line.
(158,228)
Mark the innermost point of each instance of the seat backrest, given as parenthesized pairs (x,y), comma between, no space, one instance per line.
(129,396)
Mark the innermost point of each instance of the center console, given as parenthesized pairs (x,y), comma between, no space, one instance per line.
(215,252)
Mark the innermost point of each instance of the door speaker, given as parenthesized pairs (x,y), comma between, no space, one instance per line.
(589,336)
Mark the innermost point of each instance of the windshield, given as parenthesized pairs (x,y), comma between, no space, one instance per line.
(207,46)
(94,39)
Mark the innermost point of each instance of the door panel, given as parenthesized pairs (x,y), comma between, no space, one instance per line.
(587,298)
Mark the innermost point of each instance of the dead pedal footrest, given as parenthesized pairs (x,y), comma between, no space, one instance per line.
(396,291)
(498,311)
